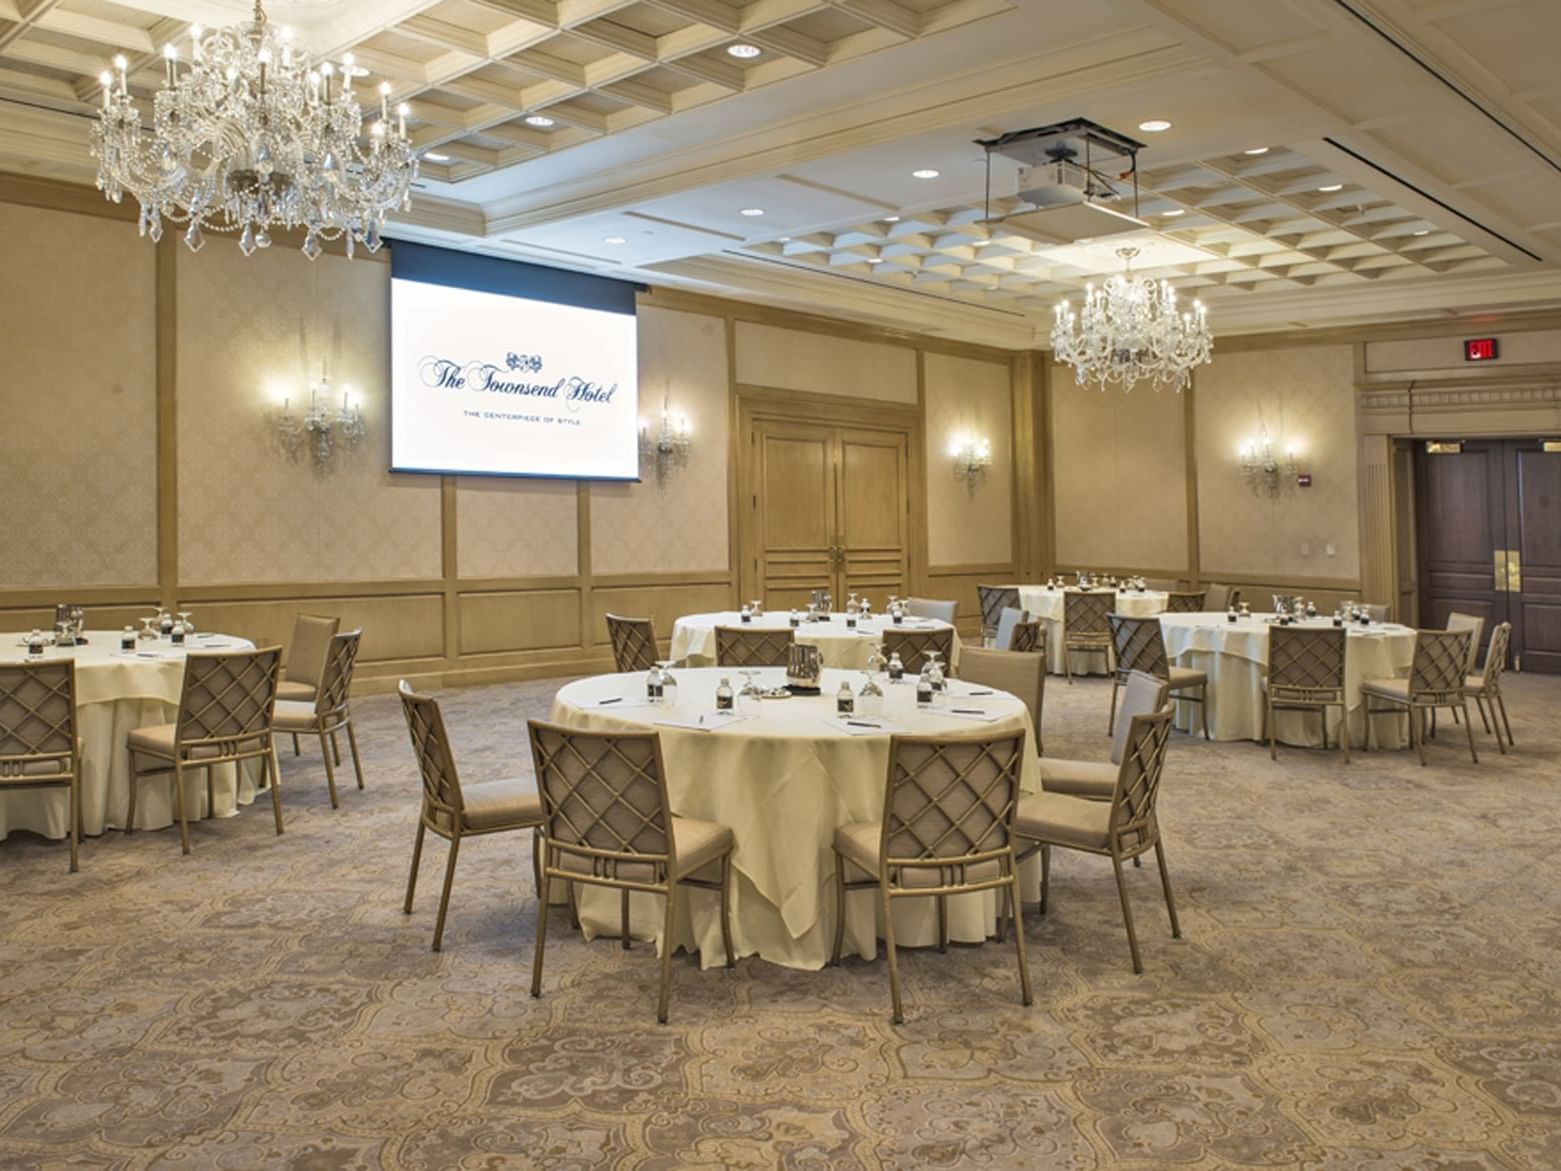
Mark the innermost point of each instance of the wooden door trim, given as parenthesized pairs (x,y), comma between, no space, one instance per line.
(803,407)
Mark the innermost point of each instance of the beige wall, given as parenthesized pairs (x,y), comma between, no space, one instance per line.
(968,397)
(791,359)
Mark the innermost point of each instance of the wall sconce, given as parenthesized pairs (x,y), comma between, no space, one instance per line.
(1265,471)
(666,449)
(972,458)
(323,425)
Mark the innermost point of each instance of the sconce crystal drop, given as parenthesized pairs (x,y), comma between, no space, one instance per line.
(665,450)
(1265,471)
(972,458)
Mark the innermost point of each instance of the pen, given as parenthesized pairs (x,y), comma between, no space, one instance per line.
(973,693)
(967,711)
(614,699)
(860,724)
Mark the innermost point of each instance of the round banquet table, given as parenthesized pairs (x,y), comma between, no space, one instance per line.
(117,692)
(1047,605)
(693,636)
(1235,655)
(784,779)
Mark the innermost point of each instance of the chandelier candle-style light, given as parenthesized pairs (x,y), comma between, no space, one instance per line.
(1130,330)
(1265,470)
(250,136)
(667,448)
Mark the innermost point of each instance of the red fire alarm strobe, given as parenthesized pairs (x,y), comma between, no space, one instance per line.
(1304,480)
(1480,349)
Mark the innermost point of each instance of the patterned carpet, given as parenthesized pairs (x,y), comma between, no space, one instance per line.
(1368,980)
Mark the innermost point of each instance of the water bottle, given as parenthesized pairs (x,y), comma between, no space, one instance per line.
(127,640)
(845,701)
(654,684)
(896,668)
(923,691)
(723,696)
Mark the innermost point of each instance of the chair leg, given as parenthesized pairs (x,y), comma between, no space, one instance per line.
(1269,733)
(1046,871)
(75,820)
(1468,726)
(330,771)
(276,786)
(1011,899)
(296,750)
(1003,911)
(667,944)
(1370,728)
(1127,914)
(1479,703)
(336,747)
(1501,703)
(894,959)
(352,743)
(417,856)
(1344,729)
(943,924)
(726,910)
(130,808)
(623,919)
(1417,731)
(541,942)
(1111,718)
(1165,884)
(178,804)
(537,847)
(211,793)
(840,909)
(1203,708)
(1067,662)
(571,893)
(444,897)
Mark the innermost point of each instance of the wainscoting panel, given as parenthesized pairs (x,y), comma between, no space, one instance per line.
(661,602)
(396,628)
(519,620)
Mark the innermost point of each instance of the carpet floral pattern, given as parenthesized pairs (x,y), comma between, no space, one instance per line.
(1367,980)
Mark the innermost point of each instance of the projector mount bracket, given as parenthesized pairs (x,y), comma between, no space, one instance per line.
(1104,156)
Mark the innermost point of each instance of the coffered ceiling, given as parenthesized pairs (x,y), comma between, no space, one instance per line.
(1327,161)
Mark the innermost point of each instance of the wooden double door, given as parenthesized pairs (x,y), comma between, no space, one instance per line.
(828,507)
(1488,530)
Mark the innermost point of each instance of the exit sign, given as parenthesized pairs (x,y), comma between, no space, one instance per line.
(1480,349)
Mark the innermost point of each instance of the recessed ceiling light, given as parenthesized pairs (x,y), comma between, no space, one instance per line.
(1256,150)
(1332,187)
(1423,232)
(746,52)
(875,260)
(752,211)
(1154,126)
(785,239)
(436,157)
(924,173)
(891,219)
(613,240)
(539,120)
(1175,211)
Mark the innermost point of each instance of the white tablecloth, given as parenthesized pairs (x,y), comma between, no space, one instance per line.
(784,781)
(1235,655)
(693,636)
(1047,605)
(115,694)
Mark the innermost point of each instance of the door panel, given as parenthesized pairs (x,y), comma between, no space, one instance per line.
(796,483)
(1461,522)
(874,513)
(1537,517)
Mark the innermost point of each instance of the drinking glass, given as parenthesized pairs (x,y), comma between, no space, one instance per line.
(189,627)
(669,685)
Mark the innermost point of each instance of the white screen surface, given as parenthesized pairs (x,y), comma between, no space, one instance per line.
(483,383)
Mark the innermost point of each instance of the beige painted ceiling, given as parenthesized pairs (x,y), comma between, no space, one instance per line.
(1329,161)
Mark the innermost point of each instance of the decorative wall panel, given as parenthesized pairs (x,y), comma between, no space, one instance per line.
(516,527)
(965,396)
(791,359)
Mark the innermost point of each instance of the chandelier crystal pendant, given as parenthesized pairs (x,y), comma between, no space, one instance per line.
(250,135)
(1130,330)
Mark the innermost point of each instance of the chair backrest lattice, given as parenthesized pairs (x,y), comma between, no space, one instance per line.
(994,600)
(1496,655)
(1142,695)
(1086,613)
(312,634)
(1437,672)
(1475,625)
(1304,660)
(37,720)
(633,643)
(1139,646)
(228,696)
(1028,636)
(742,646)
(336,683)
(950,801)
(1185,602)
(1138,779)
(604,795)
(431,747)
(912,647)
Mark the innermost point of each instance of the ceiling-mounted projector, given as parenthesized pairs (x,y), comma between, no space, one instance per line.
(1068,172)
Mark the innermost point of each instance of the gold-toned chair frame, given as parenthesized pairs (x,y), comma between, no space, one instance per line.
(1305,673)
(1185,601)
(225,710)
(1139,645)
(442,798)
(1437,679)
(747,646)
(332,711)
(605,864)
(309,667)
(39,747)
(1028,636)
(1085,625)
(994,600)
(953,852)
(1488,699)
(912,647)
(1134,828)
(633,643)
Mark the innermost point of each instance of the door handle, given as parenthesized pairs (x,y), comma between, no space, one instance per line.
(1499,559)
(1514,573)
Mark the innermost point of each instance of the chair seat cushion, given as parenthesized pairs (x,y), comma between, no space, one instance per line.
(1394,689)
(1187,677)
(291,715)
(158,740)
(858,843)
(1475,682)
(1064,820)
(292,690)
(1094,780)
(492,804)
(697,844)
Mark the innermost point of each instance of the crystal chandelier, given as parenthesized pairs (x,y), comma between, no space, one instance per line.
(1130,330)
(250,136)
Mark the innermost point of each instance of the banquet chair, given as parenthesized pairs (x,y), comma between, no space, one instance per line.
(1028,635)
(224,717)
(1164,585)
(994,600)
(931,608)
(300,681)
(39,747)
(1305,673)
(633,643)
(1003,634)
(1218,597)
(946,829)
(1436,680)
(1085,626)
(1485,688)
(1123,828)
(1140,646)
(1142,695)
(912,647)
(1020,673)
(1185,602)
(328,713)
(1377,611)
(608,822)
(455,811)
(1475,625)
(746,646)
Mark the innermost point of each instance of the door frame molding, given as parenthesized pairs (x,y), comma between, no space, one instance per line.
(756,403)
